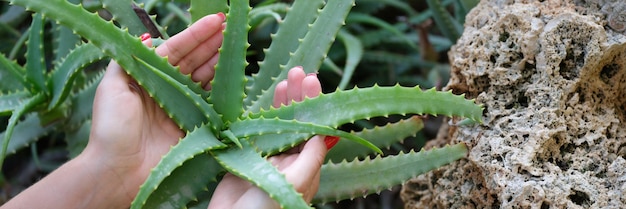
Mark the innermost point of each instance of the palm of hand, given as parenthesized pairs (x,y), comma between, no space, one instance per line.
(130,132)
(301,165)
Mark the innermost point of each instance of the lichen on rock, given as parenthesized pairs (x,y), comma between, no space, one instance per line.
(552,78)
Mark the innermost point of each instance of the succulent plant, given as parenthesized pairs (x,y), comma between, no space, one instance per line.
(233,127)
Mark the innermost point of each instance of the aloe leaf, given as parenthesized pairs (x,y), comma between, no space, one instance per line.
(444,20)
(124,14)
(82,102)
(26,132)
(231,136)
(185,182)
(11,75)
(354,51)
(62,78)
(268,145)
(64,39)
(380,136)
(195,143)
(261,126)
(468,4)
(228,84)
(113,41)
(401,5)
(259,13)
(64,42)
(364,18)
(312,51)
(182,16)
(285,41)
(342,107)
(17,113)
(12,101)
(13,15)
(251,166)
(201,8)
(35,66)
(360,178)
(77,139)
(194,113)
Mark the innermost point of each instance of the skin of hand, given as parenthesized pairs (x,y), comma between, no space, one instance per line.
(301,165)
(129,132)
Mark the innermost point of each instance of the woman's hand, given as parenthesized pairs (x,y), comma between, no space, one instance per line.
(129,132)
(301,165)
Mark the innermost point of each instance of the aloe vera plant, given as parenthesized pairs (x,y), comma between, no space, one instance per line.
(234,121)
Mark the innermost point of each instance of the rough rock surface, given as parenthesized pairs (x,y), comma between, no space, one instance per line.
(551,75)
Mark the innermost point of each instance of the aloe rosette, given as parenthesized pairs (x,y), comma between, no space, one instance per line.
(233,128)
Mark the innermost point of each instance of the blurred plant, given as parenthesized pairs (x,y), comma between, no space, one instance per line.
(219,123)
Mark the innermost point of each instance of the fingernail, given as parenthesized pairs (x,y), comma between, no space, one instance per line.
(221,15)
(312,74)
(145,36)
(330,141)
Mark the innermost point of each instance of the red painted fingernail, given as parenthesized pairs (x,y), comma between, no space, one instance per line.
(145,36)
(221,15)
(330,141)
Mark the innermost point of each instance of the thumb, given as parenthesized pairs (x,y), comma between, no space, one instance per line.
(302,172)
(116,80)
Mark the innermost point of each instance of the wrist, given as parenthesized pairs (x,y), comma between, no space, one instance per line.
(116,186)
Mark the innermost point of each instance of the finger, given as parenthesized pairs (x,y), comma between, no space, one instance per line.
(280,94)
(311,86)
(115,80)
(303,170)
(294,84)
(184,42)
(228,191)
(205,73)
(201,54)
(311,190)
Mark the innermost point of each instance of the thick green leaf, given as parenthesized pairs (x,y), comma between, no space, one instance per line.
(26,106)
(77,139)
(12,101)
(82,103)
(342,107)
(285,41)
(62,78)
(249,165)
(64,41)
(262,126)
(124,14)
(184,184)
(368,19)
(260,13)
(120,46)
(11,76)
(313,48)
(201,8)
(194,144)
(360,178)
(269,145)
(35,65)
(179,96)
(380,136)
(354,51)
(26,132)
(228,84)
(444,20)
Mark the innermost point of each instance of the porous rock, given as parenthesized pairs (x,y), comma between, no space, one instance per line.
(552,78)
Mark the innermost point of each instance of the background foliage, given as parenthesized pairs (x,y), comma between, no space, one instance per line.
(384,42)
